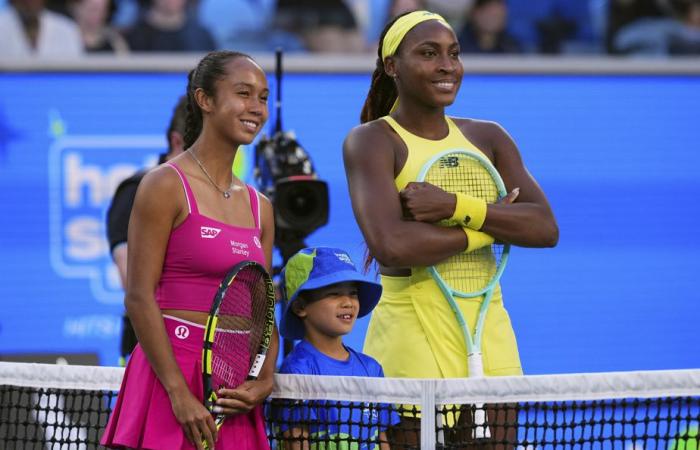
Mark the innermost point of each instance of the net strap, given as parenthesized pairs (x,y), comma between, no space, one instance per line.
(587,386)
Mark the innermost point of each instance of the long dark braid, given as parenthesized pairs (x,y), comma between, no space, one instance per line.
(380,98)
(382,92)
(210,69)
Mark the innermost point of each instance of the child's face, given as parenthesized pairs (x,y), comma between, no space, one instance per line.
(330,311)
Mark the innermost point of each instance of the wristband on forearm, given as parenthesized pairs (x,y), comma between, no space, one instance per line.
(469,211)
(476,239)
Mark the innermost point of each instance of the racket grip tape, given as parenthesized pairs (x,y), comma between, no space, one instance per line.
(469,211)
(476,365)
(476,370)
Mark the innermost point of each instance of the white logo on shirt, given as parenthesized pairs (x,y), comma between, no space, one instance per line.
(239,248)
(209,232)
(181,332)
(257,241)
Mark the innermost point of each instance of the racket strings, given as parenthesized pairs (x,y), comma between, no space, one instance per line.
(239,328)
(461,173)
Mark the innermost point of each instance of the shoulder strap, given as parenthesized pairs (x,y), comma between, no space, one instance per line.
(254,204)
(189,195)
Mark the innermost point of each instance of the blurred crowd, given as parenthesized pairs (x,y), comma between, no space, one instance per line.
(62,28)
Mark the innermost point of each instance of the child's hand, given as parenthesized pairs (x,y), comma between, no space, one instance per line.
(244,398)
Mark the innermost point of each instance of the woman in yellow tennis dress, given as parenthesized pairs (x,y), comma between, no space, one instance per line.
(413,331)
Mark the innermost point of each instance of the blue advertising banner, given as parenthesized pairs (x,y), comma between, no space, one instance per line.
(617,157)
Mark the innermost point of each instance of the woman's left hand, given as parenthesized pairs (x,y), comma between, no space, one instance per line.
(425,202)
(244,398)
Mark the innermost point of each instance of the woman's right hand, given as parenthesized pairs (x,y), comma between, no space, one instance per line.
(194,418)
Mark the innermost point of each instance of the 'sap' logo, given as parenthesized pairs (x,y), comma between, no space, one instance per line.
(84,172)
(209,232)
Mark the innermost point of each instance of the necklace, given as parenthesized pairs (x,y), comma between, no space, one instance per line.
(227,192)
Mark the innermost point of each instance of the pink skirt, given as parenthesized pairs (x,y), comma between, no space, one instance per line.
(143,417)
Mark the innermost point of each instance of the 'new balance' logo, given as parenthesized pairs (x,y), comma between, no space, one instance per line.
(209,232)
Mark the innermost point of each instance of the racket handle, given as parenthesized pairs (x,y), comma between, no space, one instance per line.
(476,370)
(257,365)
(476,365)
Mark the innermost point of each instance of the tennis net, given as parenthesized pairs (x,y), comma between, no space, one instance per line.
(66,407)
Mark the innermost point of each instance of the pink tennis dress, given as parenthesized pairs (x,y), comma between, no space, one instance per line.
(200,252)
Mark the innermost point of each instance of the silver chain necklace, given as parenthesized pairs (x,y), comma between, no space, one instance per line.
(227,192)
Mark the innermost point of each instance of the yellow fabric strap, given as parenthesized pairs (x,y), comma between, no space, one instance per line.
(398,30)
(404,24)
(476,239)
(469,211)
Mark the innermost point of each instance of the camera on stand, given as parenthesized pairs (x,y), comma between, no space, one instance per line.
(285,174)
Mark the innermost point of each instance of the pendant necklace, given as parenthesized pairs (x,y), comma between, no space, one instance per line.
(227,192)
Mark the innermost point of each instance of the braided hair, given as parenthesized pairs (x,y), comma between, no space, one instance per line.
(380,98)
(382,92)
(209,70)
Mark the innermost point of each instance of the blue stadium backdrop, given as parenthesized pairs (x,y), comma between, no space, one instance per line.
(618,157)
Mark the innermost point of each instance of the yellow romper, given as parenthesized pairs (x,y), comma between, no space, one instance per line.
(413,332)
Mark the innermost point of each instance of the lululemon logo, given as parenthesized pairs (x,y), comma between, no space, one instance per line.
(257,241)
(181,332)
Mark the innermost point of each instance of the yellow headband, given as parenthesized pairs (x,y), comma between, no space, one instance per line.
(403,25)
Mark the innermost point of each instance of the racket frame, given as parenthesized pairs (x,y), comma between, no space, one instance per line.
(209,393)
(475,365)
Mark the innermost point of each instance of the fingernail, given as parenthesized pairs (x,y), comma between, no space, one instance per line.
(217,409)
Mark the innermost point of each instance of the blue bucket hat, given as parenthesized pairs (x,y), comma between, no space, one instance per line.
(317,267)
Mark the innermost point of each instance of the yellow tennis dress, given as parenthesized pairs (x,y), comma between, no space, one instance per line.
(413,332)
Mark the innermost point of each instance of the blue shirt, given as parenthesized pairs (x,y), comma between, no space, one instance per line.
(335,424)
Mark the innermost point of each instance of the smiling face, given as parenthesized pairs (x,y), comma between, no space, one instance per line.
(427,67)
(239,108)
(329,312)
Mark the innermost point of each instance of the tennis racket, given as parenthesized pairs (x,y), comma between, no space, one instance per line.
(238,333)
(473,274)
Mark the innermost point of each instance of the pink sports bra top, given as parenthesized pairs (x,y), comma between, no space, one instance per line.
(201,251)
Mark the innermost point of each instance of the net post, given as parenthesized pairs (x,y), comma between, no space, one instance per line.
(428,413)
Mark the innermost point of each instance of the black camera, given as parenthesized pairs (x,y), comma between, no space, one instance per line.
(285,174)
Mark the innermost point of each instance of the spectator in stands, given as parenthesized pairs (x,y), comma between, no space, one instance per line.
(398,7)
(485,29)
(29,29)
(687,40)
(240,24)
(93,18)
(324,295)
(678,34)
(165,26)
(120,210)
(321,25)
(624,12)
(382,11)
(451,10)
